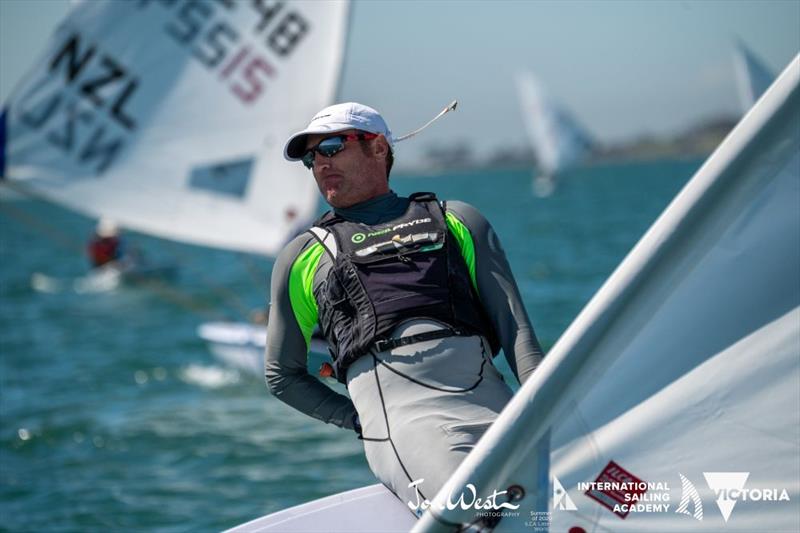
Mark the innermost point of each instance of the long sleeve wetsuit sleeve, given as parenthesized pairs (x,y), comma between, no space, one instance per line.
(285,362)
(499,294)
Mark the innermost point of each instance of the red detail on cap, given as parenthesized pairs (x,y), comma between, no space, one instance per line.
(576,529)
(608,498)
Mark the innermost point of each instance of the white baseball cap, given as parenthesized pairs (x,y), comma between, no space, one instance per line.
(107,228)
(338,117)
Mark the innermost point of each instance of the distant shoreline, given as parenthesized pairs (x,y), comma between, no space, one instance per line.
(697,142)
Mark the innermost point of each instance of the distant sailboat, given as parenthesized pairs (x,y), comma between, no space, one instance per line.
(681,374)
(241,345)
(169,117)
(558,141)
(752,76)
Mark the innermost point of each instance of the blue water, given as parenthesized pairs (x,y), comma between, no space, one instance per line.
(115,416)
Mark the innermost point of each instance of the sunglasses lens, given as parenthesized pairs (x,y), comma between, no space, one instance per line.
(308,159)
(331,146)
(328,147)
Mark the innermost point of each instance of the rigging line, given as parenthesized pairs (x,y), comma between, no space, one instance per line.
(53,233)
(238,306)
(240,310)
(178,297)
(258,278)
(450,107)
(62,239)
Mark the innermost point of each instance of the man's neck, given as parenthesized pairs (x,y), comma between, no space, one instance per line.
(379,209)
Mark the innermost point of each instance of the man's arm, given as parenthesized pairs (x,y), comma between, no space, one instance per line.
(499,293)
(285,363)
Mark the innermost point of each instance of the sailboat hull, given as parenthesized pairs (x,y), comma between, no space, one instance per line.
(241,345)
(370,509)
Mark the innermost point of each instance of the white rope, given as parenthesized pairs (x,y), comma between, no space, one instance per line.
(450,107)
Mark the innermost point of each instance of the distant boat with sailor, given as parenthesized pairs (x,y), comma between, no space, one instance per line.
(131,116)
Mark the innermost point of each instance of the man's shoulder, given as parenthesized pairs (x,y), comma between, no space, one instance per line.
(464,212)
(458,205)
(293,249)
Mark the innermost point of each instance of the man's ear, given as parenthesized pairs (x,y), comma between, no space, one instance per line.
(381,146)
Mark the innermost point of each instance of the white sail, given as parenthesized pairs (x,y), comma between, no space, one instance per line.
(558,140)
(683,370)
(169,117)
(752,77)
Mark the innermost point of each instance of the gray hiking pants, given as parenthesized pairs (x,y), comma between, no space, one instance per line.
(424,406)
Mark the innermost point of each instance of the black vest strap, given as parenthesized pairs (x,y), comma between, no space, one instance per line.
(388,344)
(422,197)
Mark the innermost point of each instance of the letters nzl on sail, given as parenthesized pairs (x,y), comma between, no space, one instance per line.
(113,66)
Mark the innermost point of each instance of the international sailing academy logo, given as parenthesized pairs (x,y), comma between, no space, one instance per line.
(561,499)
(621,492)
(689,494)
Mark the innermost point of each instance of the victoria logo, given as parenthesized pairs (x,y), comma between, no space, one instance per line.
(729,488)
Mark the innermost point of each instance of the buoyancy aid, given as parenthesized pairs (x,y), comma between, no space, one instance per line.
(384,274)
(103,250)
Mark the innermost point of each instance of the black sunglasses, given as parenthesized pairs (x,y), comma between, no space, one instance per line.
(330,146)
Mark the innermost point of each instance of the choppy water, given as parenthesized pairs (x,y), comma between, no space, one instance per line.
(115,416)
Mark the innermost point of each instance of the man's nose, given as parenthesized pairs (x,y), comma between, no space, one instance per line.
(321,161)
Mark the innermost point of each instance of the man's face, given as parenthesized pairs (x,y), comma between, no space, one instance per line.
(355,174)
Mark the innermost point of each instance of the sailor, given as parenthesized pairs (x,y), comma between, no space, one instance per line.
(414,296)
(105,245)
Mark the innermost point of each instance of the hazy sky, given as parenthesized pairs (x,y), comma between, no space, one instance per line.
(623,68)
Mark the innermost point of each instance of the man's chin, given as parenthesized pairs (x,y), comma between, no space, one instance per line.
(332,198)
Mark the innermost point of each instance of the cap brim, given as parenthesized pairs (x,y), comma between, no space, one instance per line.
(296,145)
(294,148)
